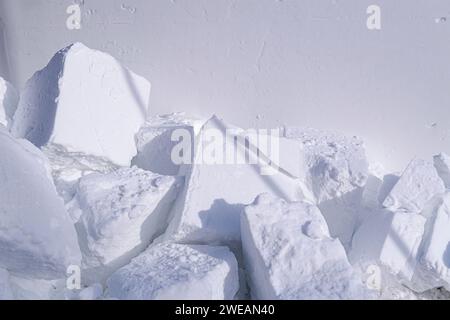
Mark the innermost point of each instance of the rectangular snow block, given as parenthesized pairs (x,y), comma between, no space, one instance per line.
(289,253)
(209,207)
(85,101)
(417,185)
(169,271)
(120,214)
(392,240)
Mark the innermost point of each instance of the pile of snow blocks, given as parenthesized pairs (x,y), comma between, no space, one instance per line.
(100,199)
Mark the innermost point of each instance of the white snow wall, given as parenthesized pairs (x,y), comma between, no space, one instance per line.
(265,62)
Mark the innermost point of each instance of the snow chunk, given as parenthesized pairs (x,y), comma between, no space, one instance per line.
(177,272)
(154,142)
(442,165)
(337,171)
(85,101)
(9,98)
(37,238)
(417,185)
(5,286)
(289,253)
(392,240)
(208,210)
(435,255)
(120,214)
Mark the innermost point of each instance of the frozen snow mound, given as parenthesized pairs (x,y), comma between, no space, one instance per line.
(290,255)
(336,172)
(442,165)
(85,101)
(158,137)
(418,184)
(37,237)
(208,209)
(120,213)
(169,271)
(9,98)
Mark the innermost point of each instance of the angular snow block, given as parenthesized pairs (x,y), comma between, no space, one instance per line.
(158,137)
(85,101)
(435,249)
(336,171)
(9,98)
(392,240)
(208,210)
(121,213)
(5,286)
(37,237)
(289,254)
(170,271)
(442,165)
(417,185)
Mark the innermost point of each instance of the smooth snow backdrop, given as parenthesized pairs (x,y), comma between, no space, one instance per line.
(266,63)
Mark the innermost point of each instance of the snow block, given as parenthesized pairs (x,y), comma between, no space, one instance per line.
(155,143)
(289,253)
(442,165)
(417,185)
(9,98)
(37,237)
(336,171)
(392,240)
(435,249)
(120,214)
(208,210)
(170,271)
(85,101)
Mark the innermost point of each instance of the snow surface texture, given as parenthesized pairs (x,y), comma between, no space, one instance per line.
(9,98)
(103,194)
(175,271)
(85,101)
(120,213)
(289,253)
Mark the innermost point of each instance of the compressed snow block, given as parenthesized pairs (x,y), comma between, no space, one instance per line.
(5,286)
(417,185)
(208,210)
(158,137)
(289,254)
(37,237)
(442,165)
(85,101)
(336,170)
(434,262)
(121,213)
(391,240)
(9,98)
(169,271)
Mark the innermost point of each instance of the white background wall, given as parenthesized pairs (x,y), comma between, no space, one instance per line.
(266,62)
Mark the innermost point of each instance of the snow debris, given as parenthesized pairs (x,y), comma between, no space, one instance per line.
(9,98)
(85,101)
(37,238)
(289,253)
(175,271)
(120,214)
(417,185)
